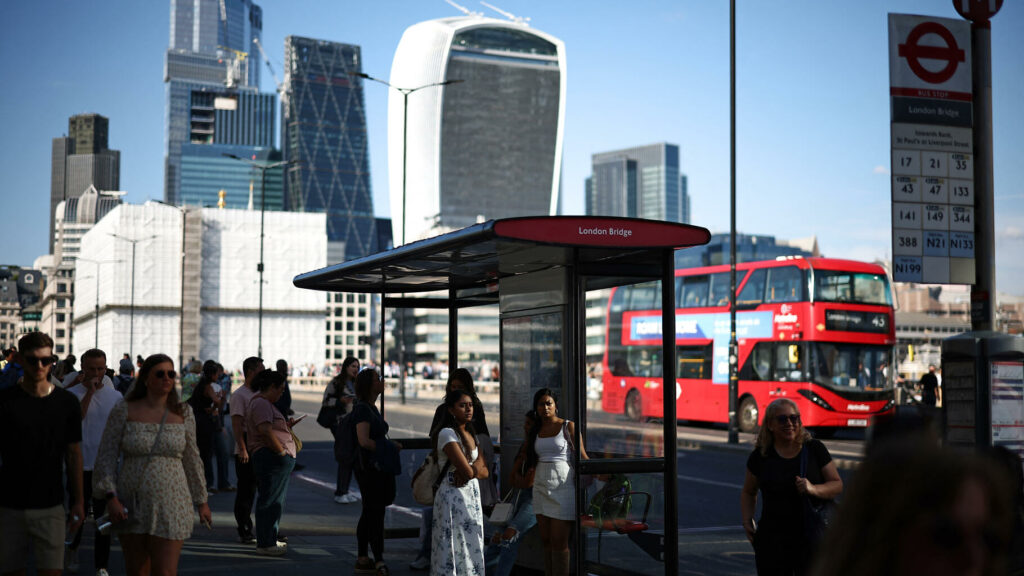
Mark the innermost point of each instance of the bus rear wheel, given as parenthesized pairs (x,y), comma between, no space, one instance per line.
(634,406)
(748,414)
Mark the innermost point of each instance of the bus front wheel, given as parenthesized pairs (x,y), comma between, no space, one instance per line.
(748,414)
(634,406)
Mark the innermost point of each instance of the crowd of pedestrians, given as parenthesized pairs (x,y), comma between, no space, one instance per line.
(133,452)
(138,456)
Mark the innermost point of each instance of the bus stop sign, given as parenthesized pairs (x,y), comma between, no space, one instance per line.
(978,11)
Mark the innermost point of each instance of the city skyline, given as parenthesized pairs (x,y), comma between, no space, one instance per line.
(812,109)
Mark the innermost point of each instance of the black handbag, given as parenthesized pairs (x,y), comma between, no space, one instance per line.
(328,416)
(818,514)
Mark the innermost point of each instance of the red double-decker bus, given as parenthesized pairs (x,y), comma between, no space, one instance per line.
(818,331)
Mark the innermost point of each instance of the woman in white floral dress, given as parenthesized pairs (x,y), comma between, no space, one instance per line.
(162,472)
(458,524)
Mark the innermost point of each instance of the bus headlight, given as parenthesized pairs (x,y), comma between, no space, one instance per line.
(818,400)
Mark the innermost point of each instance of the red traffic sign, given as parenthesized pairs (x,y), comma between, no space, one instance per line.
(977,10)
(914,52)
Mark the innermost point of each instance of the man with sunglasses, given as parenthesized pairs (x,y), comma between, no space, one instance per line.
(40,431)
(98,397)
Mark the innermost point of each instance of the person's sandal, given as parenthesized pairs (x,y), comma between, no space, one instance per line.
(382,569)
(366,567)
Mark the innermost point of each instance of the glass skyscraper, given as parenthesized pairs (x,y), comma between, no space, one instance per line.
(209,53)
(487,147)
(324,135)
(641,182)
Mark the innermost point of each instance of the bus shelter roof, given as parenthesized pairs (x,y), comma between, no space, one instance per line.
(478,256)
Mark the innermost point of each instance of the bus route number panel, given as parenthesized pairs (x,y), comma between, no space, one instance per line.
(932,204)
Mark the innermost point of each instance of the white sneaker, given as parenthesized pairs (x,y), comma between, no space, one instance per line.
(276,550)
(349,498)
(102,572)
(420,563)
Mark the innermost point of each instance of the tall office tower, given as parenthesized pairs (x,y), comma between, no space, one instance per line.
(226,123)
(324,135)
(80,160)
(489,146)
(209,48)
(89,131)
(641,182)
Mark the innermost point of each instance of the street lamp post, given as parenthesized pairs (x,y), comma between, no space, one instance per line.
(262,167)
(405,124)
(405,146)
(96,308)
(131,313)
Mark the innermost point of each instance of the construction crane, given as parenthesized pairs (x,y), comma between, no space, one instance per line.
(236,68)
(463,9)
(277,81)
(517,19)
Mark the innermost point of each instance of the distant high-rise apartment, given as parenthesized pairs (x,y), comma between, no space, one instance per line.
(487,147)
(80,160)
(324,135)
(641,182)
(208,63)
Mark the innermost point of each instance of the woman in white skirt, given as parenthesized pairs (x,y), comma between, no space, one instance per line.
(458,523)
(550,445)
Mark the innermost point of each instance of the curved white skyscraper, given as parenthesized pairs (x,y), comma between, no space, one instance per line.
(489,146)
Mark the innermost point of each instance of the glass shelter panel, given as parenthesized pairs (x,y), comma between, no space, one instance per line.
(532,358)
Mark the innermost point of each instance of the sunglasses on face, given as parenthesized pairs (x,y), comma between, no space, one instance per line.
(793,419)
(165,373)
(40,360)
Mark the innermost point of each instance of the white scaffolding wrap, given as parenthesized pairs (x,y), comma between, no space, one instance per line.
(293,319)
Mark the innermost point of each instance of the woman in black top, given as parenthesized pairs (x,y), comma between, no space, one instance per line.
(377,485)
(773,468)
(460,379)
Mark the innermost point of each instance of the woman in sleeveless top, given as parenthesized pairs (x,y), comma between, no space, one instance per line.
(550,445)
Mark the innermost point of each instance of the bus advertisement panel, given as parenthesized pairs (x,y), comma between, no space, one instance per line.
(818,331)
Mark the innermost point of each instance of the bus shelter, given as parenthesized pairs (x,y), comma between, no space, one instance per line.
(539,271)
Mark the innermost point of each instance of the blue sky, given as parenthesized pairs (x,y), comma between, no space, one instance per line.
(812,110)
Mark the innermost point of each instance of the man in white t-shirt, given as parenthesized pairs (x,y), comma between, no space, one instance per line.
(97,395)
(245,497)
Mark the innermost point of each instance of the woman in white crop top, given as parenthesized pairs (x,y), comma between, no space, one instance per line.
(550,447)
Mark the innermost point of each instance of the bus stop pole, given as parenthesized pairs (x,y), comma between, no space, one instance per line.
(669,399)
(734,387)
(983,292)
(453,330)
(577,366)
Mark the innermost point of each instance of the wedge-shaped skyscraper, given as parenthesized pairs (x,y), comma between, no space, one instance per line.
(489,146)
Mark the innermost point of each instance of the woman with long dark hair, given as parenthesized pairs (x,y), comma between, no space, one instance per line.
(377,485)
(161,475)
(459,379)
(341,393)
(458,520)
(549,447)
(781,544)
